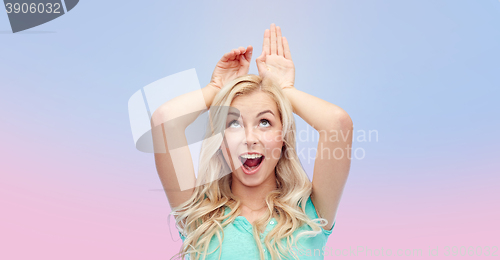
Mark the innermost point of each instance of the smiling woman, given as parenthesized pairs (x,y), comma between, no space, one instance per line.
(266,206)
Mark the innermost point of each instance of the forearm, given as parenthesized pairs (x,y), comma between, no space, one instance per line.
(185,108)
(320,114)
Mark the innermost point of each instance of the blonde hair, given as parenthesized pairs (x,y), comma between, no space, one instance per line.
(201,216)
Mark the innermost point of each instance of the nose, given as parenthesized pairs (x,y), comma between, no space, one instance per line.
(251,136)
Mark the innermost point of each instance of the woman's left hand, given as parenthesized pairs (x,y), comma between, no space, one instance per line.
(232,65)
(276,60)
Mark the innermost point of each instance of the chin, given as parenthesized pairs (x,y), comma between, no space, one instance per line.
(251,183)
(253,180)
(248,180)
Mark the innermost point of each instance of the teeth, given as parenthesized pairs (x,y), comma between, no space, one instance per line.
(251,156)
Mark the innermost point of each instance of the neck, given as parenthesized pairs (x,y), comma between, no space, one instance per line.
(254,197)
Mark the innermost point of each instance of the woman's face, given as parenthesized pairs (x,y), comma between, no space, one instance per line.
(253,126)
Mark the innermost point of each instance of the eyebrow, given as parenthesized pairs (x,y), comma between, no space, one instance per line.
(259,114)
(265,111)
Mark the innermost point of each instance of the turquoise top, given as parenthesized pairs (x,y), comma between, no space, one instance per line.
(238,242)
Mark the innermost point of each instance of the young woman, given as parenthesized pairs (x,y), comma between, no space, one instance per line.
(266,207)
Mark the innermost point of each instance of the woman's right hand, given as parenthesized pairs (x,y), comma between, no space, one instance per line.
(276,60)
(232,65)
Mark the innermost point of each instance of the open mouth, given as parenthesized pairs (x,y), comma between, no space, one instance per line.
(251,163)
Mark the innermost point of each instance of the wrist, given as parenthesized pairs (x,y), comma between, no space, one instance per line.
(209,92)
(291,95)
(213,87)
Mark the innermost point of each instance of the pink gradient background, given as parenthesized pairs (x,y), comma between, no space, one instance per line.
(76,210)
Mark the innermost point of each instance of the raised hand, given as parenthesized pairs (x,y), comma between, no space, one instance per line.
(276,60)
(232,65)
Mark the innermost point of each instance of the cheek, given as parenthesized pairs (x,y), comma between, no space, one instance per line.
(227,156)
(272,137)
(274,145)
(276,152)
(230,150)
(232,142)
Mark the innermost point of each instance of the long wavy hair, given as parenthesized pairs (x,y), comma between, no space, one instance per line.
(202,217)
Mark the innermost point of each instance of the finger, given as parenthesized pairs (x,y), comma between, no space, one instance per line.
(261,64)
(266,44)
(286,50)
(230,55)
(280,43)
(234,54)
(260,59)
(225,57)
(243,60)
(242,51)
(263,56)
(248,53)
(273,39)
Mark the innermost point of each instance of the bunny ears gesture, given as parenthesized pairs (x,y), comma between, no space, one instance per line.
(275,61)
